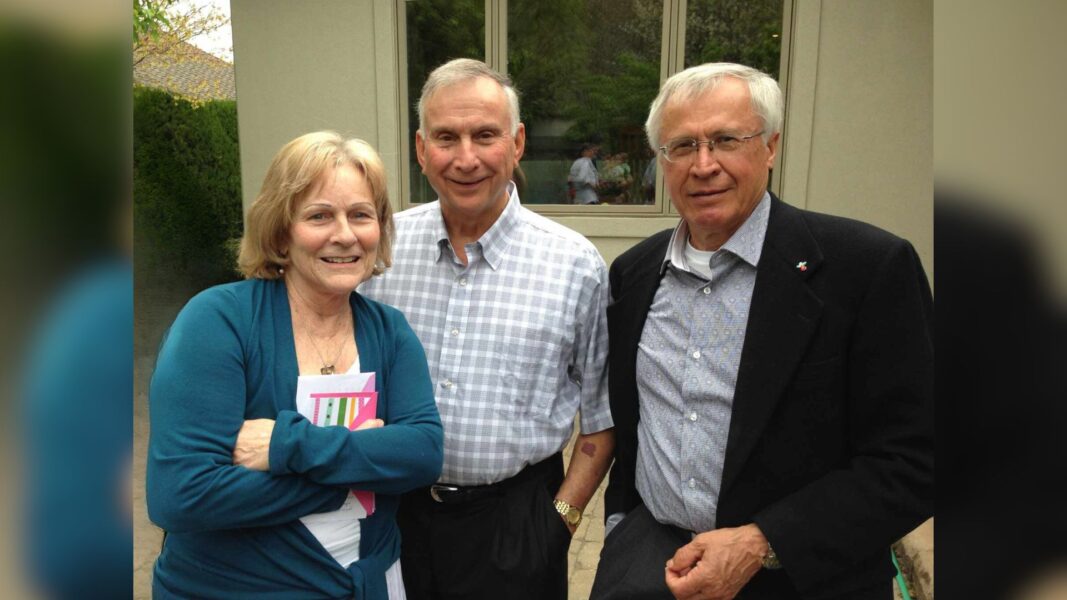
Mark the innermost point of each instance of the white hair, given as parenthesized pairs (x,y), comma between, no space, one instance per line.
(766,96)
(464,69)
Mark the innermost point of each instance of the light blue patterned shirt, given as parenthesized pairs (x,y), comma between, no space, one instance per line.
(687,363)
(516,340)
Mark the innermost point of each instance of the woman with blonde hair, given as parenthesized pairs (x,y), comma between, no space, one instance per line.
(256,496)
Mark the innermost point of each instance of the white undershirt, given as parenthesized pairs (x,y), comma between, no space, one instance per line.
(698,260)
(339,535)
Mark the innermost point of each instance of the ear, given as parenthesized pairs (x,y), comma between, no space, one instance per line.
(520,141)
(772,145)
(420,149)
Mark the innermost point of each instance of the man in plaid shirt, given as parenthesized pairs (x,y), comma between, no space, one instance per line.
(510,308)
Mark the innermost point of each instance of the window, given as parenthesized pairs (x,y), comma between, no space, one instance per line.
(436,32)
(586,72)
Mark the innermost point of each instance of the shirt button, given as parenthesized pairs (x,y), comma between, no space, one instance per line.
(446,383)
(696,354)
(463,282)
(692,483)
(707,291)
(692,416)
(454,332)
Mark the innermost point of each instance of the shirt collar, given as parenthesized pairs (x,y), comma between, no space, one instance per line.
(494,242)
(746,243)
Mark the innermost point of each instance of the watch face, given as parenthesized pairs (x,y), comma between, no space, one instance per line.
(573,516)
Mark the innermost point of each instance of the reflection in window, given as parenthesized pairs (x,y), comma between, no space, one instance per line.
(437,32)
(586,72)
(748,32)
(740,31)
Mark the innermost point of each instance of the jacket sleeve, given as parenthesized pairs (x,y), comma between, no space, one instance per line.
(404,454)
(197,407)
(885,488)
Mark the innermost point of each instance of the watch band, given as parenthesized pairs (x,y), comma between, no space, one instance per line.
(571,514)
(770,559)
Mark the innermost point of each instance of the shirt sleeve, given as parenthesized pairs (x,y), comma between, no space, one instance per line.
(591,348)
(197,407)
(404,454)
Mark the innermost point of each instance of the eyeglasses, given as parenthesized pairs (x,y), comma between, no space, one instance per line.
(683,149)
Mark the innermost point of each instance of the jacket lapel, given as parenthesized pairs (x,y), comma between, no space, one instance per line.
(782,318)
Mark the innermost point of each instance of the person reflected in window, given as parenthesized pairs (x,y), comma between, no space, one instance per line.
(616,179)
(771,375)
(583,178)
(648,179)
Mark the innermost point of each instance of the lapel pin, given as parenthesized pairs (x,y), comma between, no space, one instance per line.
(802,265)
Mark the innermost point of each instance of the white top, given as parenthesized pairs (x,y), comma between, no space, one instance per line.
(339,534)
(337,531)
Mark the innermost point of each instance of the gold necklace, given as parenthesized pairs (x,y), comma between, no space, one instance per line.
(328,368)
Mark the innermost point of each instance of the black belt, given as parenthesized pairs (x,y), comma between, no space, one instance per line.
(456,494)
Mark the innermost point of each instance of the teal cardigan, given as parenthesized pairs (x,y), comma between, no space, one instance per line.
(234,532)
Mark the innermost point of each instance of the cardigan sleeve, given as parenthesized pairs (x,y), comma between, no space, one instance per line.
(197,408)
(404,454)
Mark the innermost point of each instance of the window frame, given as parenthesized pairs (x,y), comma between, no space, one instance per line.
(672,60)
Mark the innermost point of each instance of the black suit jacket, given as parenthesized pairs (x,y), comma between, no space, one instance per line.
(830,448)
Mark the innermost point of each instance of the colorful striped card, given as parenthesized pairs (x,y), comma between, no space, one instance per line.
(346,400)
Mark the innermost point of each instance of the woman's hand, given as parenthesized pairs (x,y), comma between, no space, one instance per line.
(370,424)
(252,449)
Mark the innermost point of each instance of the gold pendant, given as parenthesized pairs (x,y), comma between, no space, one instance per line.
(327,370)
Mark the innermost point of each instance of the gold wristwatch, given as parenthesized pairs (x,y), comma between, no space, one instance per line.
(571,514)
(770,560)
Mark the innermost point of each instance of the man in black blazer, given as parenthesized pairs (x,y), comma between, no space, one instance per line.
(771,375)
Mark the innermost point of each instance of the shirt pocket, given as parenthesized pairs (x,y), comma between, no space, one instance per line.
(530,365)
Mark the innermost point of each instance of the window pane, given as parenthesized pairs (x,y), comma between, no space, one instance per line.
(740,31)
(586,72)
(437,32)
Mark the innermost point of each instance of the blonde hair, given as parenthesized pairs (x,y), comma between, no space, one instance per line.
(294,170)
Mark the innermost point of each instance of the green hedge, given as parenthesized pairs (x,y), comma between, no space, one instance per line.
(187,187)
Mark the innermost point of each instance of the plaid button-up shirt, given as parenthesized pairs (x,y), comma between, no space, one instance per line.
(516,340)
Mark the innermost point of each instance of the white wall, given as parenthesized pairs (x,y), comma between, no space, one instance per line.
(306,66)
(858,140)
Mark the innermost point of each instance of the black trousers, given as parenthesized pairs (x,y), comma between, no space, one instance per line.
(637,549)
(504,542)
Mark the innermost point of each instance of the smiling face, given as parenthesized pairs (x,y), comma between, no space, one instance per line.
(333,240)
(714,191)
(467,151)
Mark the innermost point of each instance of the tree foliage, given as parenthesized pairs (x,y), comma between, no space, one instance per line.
(163,27)
(187,188)
(741,31)
(544,61)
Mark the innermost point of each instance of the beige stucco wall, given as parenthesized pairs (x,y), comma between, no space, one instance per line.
(857,140)
(858,137)
(305,66)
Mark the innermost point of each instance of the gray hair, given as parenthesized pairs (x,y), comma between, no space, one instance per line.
(763,90)
(460,70)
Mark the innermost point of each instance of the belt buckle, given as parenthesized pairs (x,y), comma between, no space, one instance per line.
(435,488)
